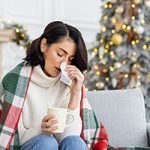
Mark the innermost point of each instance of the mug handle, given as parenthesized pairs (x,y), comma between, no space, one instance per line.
(68,116)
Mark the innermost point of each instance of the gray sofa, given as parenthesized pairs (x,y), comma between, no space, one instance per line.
(122,113)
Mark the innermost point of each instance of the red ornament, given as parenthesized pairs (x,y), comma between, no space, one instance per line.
(101,145)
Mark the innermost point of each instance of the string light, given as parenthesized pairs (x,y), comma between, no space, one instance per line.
(128,27)
(104,62)
(114,20)
(124,62)
(98,73)
(133,42)
(126,75)
(17,30)
(113,31)
(133,5)
(95,50)
(133,17)
(101,57)
(101,40)
(105,5)
(106,51)
(145,46)
(103,29)
(107,78)
(110,6)
(134,29)
(143,21)
(111,53)
(111,43)
(123,26)
(106,46)
(111,68)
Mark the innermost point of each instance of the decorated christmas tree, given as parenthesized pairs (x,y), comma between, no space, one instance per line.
(120,57)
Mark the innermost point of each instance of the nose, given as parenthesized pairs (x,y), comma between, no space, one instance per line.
(66,60)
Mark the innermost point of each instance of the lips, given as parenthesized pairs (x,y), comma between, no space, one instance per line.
(58,69)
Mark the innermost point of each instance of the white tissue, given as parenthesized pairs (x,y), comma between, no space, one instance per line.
(64,76)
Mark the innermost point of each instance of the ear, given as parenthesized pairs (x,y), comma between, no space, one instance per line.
(43,45)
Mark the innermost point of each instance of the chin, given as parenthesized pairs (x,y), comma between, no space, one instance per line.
(54,74)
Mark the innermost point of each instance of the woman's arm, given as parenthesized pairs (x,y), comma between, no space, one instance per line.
(26,134)
(74,103)
(77,78)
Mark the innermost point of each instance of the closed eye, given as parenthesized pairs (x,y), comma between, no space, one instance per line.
(61,55)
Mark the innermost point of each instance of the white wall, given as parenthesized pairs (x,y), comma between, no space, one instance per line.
(36,14)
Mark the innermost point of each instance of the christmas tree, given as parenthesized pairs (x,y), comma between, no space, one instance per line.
(120,57)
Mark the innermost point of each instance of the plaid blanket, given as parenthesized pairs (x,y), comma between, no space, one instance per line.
(129,148)
(13,91)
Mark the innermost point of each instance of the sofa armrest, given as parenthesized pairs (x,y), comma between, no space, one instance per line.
(148,133)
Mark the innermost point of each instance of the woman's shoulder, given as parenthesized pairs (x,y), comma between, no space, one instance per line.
(13,75)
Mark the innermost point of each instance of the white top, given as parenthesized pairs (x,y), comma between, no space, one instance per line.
(43,92)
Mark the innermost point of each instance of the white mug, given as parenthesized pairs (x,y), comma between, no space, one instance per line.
(63,117)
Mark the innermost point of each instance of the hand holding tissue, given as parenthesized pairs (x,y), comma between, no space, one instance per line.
(64,76)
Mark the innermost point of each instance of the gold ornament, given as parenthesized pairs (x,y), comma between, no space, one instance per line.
(148,77)
(100,85)
(118,26)
(117,65)
(113,1)
(137,2)
(103,29)
(116,39)
(114,20)
(119,9)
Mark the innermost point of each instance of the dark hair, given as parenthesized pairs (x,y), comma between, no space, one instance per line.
(53,33)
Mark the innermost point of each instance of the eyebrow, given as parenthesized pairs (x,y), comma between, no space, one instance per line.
(63,50)
(66,51)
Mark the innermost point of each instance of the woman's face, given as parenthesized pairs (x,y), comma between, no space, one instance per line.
(55,54)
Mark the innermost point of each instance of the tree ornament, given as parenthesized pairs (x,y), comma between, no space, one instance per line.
(100,85)
(114,82)
(116,39)
(133,59)
(119,10)
(148,77)
(132,37)
(140,29)
(137,2)
(117,65)
(113,1)
(147,3)
(118,26)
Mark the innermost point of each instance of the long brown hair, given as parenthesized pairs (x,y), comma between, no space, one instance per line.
(53,33)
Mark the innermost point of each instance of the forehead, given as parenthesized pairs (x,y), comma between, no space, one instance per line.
(67,45)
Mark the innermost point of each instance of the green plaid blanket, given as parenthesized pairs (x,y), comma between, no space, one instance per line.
(13,91)
(129,148)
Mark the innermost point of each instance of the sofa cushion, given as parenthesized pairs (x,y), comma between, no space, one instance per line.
(123,114)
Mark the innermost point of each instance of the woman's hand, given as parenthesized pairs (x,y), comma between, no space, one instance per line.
(48,125)
(77,78)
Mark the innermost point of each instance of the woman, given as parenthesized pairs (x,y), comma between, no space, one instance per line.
(41,87)
(59,43)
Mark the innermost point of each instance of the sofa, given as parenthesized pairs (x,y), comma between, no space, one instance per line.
(122,112)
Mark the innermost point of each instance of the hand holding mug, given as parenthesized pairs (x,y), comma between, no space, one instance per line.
(63,117)
(49,124)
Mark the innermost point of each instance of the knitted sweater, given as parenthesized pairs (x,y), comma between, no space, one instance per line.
(13,91)
(43,92)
